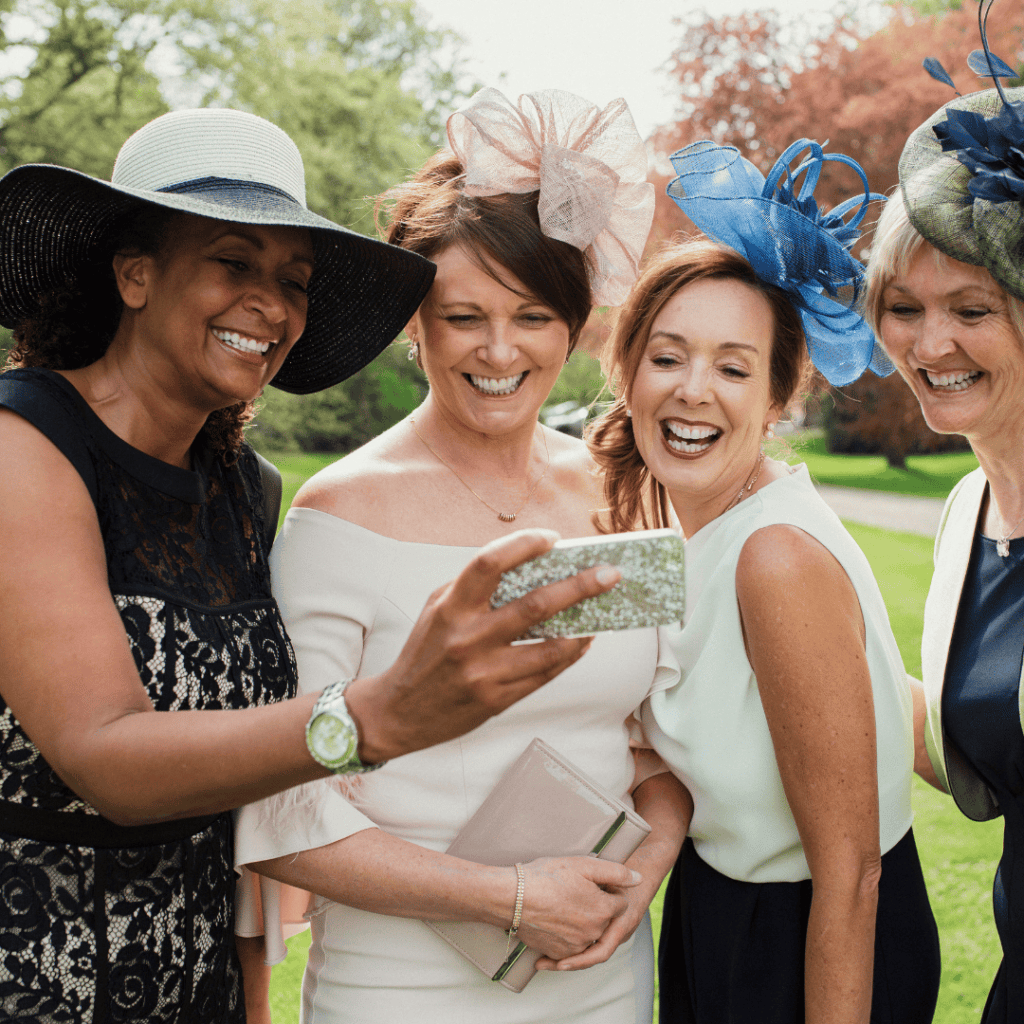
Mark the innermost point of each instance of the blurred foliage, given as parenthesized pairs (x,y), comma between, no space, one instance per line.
(346,416)
(362,86)
(881,416)
(581,381)
(75,78)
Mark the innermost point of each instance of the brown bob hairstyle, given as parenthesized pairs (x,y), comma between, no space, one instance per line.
(430,212)
(635,499)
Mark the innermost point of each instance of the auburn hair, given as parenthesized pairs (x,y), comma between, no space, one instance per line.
(635,499)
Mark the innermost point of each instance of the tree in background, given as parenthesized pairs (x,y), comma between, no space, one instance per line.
(362,86)
(759,82)
(344,417)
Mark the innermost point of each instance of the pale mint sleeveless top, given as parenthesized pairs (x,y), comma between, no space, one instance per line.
(710,727)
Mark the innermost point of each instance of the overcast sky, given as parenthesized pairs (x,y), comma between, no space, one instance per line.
(599,49)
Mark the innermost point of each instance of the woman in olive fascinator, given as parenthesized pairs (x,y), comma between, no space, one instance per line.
(946,296)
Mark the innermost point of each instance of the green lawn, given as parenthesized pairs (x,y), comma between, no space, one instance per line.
(930,476)
(959,856)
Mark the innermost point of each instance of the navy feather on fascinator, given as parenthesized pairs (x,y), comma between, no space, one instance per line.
(777,225)
(962,171)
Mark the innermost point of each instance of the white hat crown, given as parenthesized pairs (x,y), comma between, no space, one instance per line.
(188,145)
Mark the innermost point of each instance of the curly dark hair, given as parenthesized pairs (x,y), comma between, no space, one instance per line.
(430,212)
(77,321)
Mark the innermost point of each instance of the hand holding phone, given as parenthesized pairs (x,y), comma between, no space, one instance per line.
(652,591)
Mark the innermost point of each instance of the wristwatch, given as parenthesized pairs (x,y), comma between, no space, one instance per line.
(331,734)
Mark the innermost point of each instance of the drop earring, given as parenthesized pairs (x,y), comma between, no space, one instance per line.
(414,352)
(769,431)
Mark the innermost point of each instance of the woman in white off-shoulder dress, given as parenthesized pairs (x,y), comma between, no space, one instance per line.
(371,538)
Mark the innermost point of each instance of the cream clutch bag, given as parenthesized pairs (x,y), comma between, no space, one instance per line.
(542,807)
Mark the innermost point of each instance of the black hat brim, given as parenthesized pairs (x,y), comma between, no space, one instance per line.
(361,295)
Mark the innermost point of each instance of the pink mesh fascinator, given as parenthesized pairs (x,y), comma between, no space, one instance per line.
(589,165)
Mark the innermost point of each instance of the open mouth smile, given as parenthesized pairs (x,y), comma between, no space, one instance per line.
(241,343)
(496,385)
(689,440)
(957,380)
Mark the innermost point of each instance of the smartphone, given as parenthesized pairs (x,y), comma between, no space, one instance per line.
(652,591)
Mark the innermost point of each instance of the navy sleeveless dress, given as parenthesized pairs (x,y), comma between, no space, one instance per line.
(98,922)
(981,718)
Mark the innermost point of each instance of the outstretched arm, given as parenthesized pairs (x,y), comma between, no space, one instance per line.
(804,634)
(67,671)
(458,667)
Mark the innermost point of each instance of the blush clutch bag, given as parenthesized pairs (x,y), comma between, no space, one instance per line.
(542,807)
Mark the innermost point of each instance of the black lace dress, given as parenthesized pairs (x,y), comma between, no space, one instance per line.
(100,922)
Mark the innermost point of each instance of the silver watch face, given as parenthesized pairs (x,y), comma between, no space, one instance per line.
(332,739)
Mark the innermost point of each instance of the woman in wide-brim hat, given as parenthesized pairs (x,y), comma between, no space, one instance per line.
(946,296)
(149,313)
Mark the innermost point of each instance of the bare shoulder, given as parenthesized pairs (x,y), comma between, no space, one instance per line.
(782,555)
(785,576)
(361,486)
(32,467)
(572,467)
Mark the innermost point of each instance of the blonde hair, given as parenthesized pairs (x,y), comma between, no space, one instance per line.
(895,245)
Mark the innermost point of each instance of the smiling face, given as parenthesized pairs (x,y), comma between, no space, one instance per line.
(947,327)
(700,399)
(214,314)
(491,355)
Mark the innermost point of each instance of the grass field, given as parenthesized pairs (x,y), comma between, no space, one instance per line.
(929,476)
(959,856)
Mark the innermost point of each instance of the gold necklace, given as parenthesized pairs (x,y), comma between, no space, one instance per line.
(505,517)
(745,489)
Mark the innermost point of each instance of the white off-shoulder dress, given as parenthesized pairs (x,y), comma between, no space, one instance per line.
(349,598)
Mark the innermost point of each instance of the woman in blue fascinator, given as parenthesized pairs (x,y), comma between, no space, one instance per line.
(798,895)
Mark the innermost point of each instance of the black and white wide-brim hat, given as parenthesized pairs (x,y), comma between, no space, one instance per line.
(227,165)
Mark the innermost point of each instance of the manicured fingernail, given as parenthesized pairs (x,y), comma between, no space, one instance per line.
(635,877)
(608,574)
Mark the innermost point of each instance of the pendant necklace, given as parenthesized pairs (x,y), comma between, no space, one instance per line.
(505,517)
(745,489)
(1003,544)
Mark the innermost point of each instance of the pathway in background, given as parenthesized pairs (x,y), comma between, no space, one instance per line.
(889,511)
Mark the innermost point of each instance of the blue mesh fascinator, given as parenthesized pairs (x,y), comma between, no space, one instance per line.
(962,171)
(791,244)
